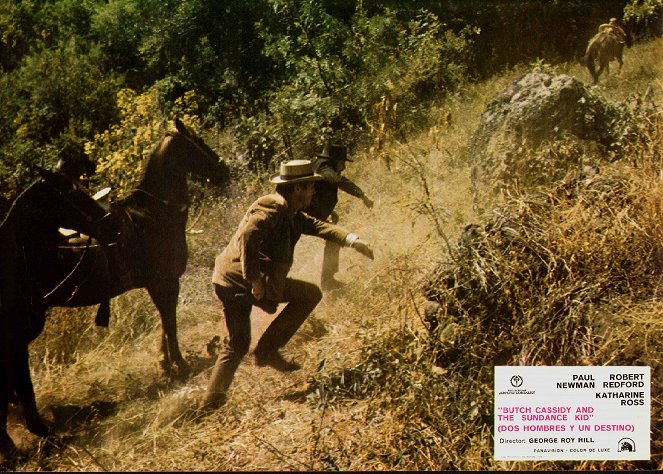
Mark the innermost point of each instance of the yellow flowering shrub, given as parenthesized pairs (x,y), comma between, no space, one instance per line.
(120,152)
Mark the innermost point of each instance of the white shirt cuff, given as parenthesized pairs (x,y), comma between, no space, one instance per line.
(351,239)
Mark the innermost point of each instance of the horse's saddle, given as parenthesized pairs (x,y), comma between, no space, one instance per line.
(91,271)
(71,237)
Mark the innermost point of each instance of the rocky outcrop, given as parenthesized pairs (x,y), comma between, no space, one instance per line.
(539,128)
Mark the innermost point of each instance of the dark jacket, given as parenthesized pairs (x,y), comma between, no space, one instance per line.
(326,190)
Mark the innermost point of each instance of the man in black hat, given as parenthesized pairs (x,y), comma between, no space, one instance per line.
(330,165)
(253,271)
(78,169)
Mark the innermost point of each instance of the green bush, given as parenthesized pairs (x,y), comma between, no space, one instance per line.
(645,17)
(50,105)
(289,74)
(336,74)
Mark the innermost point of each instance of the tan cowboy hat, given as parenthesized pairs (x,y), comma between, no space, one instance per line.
(296,171)
(334,153)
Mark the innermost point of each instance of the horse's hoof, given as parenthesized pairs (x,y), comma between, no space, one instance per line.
(37,427)
(179,370)
(166,366)
(183,369)
(8,449)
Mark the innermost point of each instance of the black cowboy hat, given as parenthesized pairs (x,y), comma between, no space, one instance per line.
(75,165)
(334,153)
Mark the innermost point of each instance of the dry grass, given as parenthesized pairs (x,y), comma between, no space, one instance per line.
(369,396)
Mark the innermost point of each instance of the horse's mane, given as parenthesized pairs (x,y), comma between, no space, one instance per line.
(5,205)
(131,201)
(7,210)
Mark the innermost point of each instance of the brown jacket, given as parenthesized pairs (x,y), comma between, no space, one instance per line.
(264,244)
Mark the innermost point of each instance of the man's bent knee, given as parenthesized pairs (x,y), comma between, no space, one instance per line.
(303,294)
(313,295)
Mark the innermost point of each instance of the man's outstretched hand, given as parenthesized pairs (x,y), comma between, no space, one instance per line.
(363,248)
(258,289)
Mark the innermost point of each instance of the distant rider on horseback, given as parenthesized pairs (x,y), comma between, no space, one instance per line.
(613,27)
(606,45)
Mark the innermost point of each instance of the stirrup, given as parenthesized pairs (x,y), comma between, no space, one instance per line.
(103,314)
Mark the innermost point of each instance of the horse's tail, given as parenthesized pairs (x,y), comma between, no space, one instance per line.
(593,53)
(588,62)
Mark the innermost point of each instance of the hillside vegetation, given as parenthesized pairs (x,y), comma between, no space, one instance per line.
(278,76)
(378,388)
(384,383)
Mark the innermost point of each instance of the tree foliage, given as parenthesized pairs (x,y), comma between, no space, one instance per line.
(335,72)
(285,74)
(49,106)
(645,16)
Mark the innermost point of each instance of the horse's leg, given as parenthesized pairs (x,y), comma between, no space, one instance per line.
(7,446)
(598,73)
(620,60)
(164,293)
(26,394)
(588,61)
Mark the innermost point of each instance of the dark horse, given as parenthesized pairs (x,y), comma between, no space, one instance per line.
(141,245)
(604,47)
(29,236)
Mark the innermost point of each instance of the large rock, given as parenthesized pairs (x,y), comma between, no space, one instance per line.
(540,127)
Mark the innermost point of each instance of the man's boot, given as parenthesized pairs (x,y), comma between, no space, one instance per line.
(275,360)
(330,284)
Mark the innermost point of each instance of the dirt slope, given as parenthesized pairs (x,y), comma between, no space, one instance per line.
(104,393)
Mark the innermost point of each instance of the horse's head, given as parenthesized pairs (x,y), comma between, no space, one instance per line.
(201,160)
(56,201)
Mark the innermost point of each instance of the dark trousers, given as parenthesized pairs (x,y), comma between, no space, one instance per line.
(330,261)
(302,298)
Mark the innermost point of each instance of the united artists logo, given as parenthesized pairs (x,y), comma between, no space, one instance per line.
(517,381)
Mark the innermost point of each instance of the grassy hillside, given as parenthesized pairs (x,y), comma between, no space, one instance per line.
(103,390)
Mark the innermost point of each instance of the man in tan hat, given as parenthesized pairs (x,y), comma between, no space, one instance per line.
(253,270)
(330,165)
